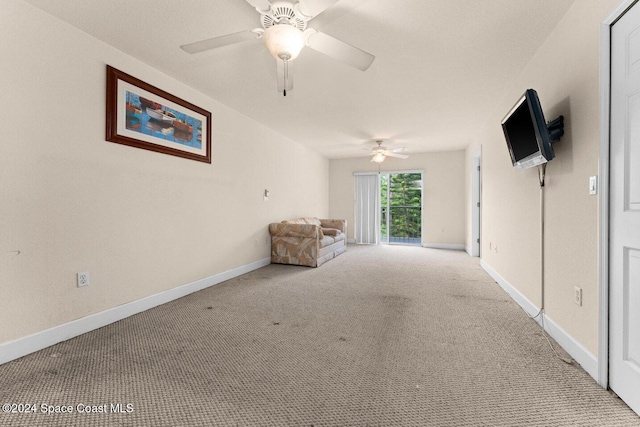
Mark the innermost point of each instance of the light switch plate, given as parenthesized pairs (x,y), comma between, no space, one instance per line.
(577,295)
(593,185)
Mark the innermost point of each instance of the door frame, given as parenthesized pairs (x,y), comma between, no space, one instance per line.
(476,197)
(603,191)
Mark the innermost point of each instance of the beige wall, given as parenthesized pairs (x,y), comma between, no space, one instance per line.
(139,222)
(443,218)
(565,73)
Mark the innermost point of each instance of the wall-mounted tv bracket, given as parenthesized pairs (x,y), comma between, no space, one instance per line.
(556,129)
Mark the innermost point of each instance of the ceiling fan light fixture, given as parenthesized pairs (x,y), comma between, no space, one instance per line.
(378,158)
(284,41)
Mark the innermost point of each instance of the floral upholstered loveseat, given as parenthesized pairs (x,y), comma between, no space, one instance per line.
(307,241)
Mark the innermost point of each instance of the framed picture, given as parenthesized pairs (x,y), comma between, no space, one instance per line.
(143,116)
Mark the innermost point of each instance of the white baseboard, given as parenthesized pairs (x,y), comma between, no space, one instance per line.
(580,354)
(20,347)
(469,251)
(453,246)
(577,351)
(515,294)
(352,241)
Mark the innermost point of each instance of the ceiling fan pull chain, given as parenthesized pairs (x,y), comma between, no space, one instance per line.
(284,77)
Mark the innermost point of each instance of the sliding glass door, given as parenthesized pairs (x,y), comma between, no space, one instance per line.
(401,208)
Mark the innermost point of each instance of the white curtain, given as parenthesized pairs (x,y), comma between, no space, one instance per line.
(367,194)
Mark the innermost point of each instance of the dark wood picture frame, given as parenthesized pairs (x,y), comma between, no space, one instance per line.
(144,116)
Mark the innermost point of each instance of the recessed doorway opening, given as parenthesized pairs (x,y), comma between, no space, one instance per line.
(401,208)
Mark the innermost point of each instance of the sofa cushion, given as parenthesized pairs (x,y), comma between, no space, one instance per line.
(331,248)
(330,231)
(339,224)
(326,241)
(312,220)
(294,221)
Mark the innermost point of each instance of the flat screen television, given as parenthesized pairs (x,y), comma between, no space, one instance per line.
(529,137)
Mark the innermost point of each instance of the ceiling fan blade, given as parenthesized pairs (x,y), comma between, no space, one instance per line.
(338,49)
(285,75)
(313,8)
(399,156)
(262,6)
(217,42)
(399,149)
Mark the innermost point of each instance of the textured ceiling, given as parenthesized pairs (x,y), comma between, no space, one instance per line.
(440,67)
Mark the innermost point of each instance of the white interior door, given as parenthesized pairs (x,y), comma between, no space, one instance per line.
(624,243)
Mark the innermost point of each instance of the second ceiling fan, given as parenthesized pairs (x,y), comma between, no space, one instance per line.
(380,153)
(284,32)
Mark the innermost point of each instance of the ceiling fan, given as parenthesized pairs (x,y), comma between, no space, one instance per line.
(284,32)
(380,153)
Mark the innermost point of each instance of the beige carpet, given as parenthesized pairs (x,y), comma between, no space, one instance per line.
(380,336)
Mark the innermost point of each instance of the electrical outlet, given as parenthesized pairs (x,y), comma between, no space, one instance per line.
(255,242)
(577,295)
(83,279)
(267,240)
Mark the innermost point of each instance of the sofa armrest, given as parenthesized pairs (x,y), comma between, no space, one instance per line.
(279,229)
(340,224)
